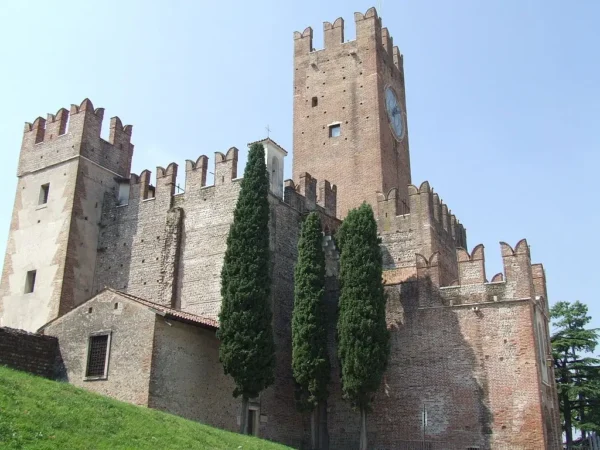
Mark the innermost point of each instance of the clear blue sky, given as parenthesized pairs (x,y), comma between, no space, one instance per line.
(503,100)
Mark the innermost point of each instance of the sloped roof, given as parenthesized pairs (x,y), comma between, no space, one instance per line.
(269,140)
(169,312)
(155,307)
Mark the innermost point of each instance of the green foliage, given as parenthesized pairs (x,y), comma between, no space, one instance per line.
(247,350)
(363,338)
(310,361)
(577,375)
(39,414)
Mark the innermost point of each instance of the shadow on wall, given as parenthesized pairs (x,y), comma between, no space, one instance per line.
(118,227)
(33,353)
(433,371)
(432,367)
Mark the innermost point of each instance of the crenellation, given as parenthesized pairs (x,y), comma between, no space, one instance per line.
(539,284)
(398,59)
(166,180)
(437,207)
(195,173)
(425,206)
(471,267)
(120,137)
(144,184)
(68,134)
(498,278)
(333,34)
(327,197)
(307,187)
(303,42)
(56,124)
(226,166)
(387,41)
(517,268)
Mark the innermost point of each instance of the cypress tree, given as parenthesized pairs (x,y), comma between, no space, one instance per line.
(310,361)
(247,349)
(363,337)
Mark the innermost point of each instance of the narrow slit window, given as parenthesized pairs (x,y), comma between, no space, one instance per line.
(44,191)
(335,130)
(97,360)
(30,282)
(315,101)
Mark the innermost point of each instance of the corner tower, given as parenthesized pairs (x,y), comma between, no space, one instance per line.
(65,168)
(350,112)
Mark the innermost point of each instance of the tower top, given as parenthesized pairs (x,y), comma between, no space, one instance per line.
(350,111)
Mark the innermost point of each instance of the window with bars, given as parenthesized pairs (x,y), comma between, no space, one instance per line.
(97,361)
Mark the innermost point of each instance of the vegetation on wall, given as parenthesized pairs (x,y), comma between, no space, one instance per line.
(247,349)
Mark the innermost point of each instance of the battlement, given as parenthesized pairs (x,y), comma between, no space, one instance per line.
(425,205)
(369,29)
(520,280)
(309,194)
(140,188)
(70,133)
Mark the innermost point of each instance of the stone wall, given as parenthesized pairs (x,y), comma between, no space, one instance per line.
(58,239)
(131,327)
(38,240)
(187,378)
(33,353)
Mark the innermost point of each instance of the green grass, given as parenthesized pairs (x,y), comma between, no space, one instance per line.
(41,414)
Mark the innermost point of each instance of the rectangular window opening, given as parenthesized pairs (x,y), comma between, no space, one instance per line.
(315,101)
(97,361)
(30,282)
(335,130)
(44,191)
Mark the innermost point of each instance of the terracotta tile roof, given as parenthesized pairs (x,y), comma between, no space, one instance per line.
(170,312)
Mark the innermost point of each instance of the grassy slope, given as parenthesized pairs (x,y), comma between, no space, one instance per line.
(40,414)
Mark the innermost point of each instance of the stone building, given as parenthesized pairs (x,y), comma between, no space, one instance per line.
(126,273)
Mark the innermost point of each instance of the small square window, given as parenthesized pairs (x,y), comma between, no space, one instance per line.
(315,101)
(44,191)
(30,282)
(97,358)
(335,130)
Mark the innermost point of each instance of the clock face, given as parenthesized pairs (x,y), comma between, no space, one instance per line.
(394,112)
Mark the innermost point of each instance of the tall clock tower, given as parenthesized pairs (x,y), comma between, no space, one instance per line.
(350,112)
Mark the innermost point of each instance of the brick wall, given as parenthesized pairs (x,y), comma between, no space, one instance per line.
(187,378)
(347,79)
(33,353)
(131,327)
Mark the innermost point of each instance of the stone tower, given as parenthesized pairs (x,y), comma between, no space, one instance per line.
(65,168)
(350,112)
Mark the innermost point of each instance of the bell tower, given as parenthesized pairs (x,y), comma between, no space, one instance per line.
(350,112)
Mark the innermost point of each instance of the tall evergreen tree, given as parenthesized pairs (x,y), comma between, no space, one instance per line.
(577,375)
(247,349)
(310,361)
(363,337)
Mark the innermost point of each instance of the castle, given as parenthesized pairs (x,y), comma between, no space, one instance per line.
(126,273)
